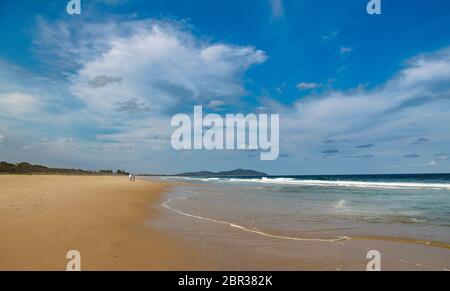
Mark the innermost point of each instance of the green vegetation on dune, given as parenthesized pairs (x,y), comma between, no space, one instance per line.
(27,168)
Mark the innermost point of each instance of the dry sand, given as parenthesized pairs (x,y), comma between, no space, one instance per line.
(104,218)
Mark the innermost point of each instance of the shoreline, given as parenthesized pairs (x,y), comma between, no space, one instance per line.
(235,246)
(42,217)
(408,240)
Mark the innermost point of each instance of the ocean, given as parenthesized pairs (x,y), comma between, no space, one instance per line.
(323,208)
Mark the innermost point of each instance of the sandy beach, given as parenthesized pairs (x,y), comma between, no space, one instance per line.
(43,217)
(119,225)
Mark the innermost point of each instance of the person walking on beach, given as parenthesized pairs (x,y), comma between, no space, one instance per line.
(130,176)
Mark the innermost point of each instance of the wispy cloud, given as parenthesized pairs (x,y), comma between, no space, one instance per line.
(442,156)
(19,104)
(133,106)
(308,86)
(367,156)
(418,91)
(345,50)
(103,80)
(277,8)
(420,140)
(330,35)
(330,141)
(330,152)
(216,104)
(413,103)
(365,146)
(412,156)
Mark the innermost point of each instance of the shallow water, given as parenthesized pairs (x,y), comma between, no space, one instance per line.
(325,208)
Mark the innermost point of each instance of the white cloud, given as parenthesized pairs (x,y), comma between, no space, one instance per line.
(308,86)
(425,70)
(130,76)
(414,103)
(345,50)
(19,104)
(216,104)
(157,63)
(2,138)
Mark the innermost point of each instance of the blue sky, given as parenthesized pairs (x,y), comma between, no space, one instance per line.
(356,93)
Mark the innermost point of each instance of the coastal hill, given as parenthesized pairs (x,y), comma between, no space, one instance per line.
(233,173)
(26,168)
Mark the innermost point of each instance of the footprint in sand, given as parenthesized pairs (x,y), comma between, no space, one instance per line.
(115,245)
